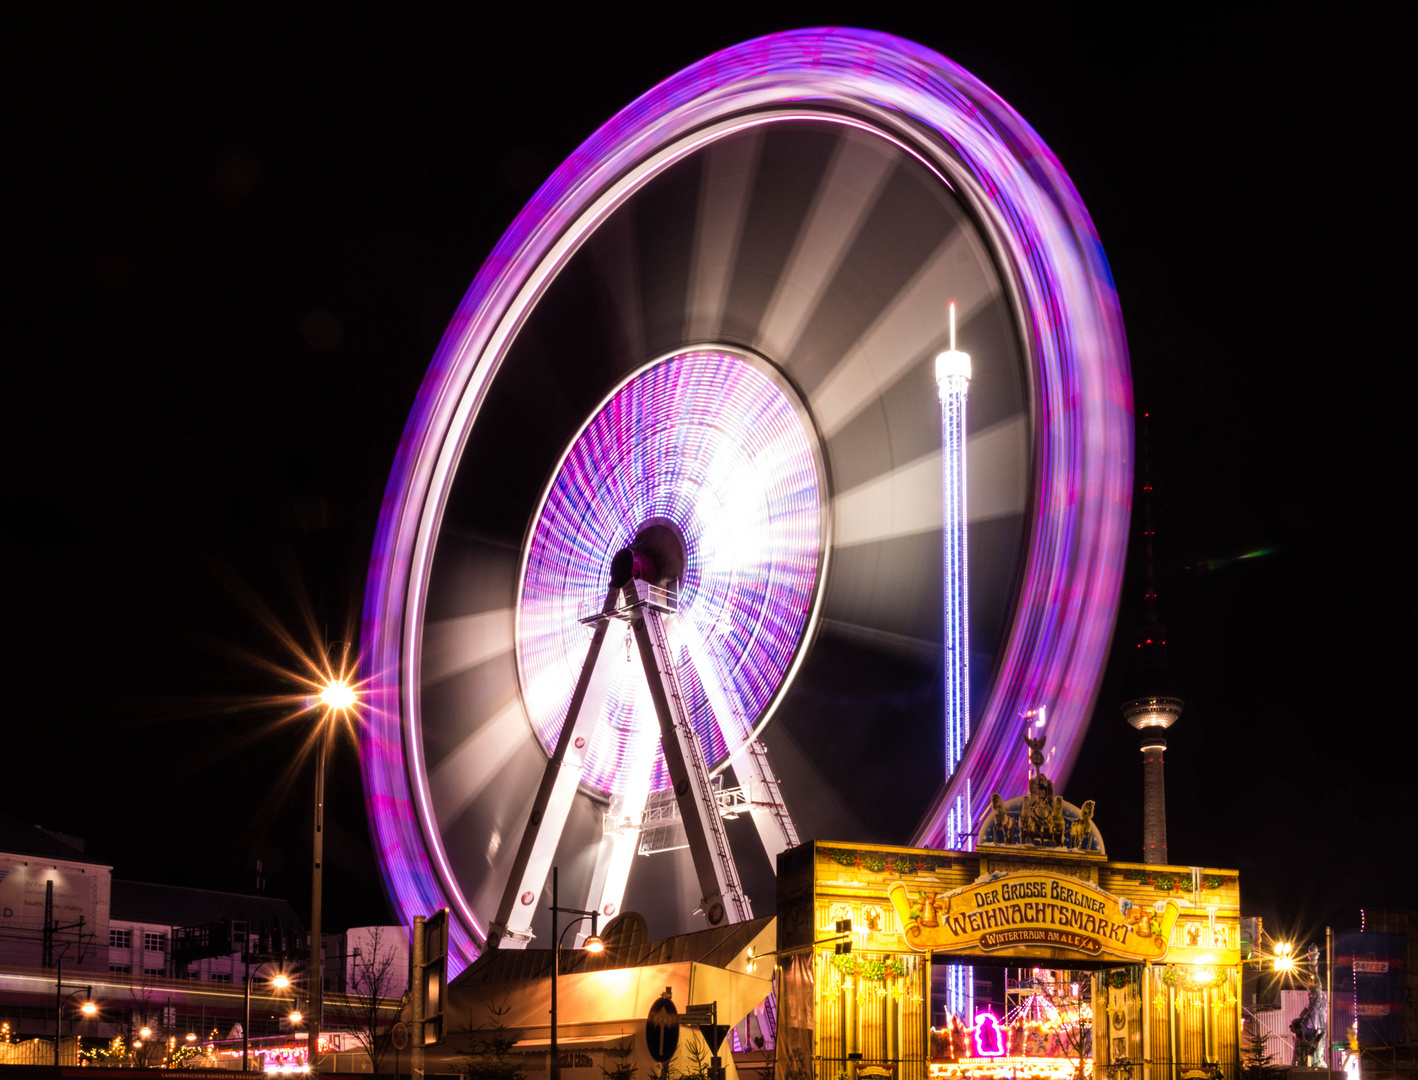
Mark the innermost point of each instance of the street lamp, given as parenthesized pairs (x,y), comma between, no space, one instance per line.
(593,944)
(279,981)
(88,1008)
(337,698)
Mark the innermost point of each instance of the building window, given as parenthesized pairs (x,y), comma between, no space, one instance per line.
(221,976)
(120,939)
(238,935)
(152,973)
(190,975)
(155,942)
(120,969)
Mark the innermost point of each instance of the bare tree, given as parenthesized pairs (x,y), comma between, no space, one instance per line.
(370,1004)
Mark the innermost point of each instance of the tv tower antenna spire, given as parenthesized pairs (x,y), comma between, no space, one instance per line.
(1153,706)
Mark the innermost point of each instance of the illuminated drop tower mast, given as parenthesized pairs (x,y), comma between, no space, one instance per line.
(1153,706)
(952,376)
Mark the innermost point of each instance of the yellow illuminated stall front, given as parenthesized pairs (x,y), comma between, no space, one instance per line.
(1129,969)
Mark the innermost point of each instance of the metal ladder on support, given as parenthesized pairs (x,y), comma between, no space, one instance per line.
(724,899)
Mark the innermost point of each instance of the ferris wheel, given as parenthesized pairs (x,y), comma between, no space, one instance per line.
(671,570)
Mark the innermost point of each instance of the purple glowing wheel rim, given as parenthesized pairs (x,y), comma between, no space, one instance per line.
(715,445)
(1069,329)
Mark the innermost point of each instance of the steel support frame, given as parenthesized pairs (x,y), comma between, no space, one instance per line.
(723,899)
(512,929)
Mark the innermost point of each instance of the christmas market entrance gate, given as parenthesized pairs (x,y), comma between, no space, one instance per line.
(1162,943)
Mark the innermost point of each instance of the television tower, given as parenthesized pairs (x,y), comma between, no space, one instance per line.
(1153,705)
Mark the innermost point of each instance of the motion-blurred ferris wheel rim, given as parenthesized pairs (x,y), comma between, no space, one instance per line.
(1051,263)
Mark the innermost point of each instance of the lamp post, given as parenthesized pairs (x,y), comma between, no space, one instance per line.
(336,696)
(88,1008)
(593,945)
(279,981)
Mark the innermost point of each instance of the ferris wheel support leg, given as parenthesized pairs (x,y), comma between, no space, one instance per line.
(723,898)
(769,812)
(512,929)
(752,767)
(622,836)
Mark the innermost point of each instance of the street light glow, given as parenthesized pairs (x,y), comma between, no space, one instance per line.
(191,1036)
(296,1017)
(338,695)
(88,1008)
(281,981)
(594,944)
(146,1033)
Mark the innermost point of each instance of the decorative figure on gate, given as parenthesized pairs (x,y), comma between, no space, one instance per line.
(1036,751)
(1040,818)
(1083,827)
(1001,819)
(1056,822)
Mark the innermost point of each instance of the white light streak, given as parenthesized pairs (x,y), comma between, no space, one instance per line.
(452,646)
(907,500)
(906,332)
(729,169)
(853,181)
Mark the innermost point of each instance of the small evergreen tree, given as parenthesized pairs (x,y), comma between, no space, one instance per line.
(1257,1062)
(489,1053)
(695,1057)
(618,1061)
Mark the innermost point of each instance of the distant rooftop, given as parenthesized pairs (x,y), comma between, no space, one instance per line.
(173,905)
(21,838)
(716,947)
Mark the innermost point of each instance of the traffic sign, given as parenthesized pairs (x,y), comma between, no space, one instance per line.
(699,1015)
(662,1030)
(714,1036)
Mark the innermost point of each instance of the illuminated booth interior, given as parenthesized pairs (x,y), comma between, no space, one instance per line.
(1106,965)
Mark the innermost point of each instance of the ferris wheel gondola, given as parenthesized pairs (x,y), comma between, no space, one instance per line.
(719,320)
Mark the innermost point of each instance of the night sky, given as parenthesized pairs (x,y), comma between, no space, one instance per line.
(234,236)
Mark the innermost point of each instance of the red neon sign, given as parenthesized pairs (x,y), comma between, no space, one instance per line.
(987,1036)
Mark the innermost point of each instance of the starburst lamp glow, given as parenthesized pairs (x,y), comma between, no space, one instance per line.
(338,695)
